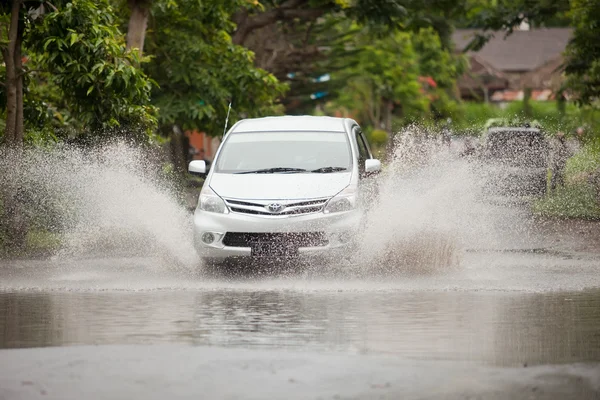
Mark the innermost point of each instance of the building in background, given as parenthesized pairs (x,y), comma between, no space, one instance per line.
(507,68)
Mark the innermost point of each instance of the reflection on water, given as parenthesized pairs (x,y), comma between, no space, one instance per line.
(492,328)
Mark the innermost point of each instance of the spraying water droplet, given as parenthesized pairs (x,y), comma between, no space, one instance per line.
(104,201)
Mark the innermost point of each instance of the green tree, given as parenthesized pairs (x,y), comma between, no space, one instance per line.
(380,15)
(199,70)
(509,14)
(12,53)
(386,79)
(404,76)
(76,60)
(482,13)
(582,57)
(300,40)
(444,67)
(84,52)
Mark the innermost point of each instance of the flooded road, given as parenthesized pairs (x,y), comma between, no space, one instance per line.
(511,323)
(501,329)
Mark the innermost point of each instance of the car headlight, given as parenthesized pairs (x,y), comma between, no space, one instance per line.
(211,202)
(343,201)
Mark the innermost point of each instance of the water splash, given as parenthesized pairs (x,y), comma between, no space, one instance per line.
(428,210)
(107,200)
(113,200)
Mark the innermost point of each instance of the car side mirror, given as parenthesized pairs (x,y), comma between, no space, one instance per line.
(372,165)
(197,167)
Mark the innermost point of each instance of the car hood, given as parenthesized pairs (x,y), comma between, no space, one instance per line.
(279,186)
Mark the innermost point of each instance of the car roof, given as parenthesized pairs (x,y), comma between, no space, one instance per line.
(513,129)
(293,123)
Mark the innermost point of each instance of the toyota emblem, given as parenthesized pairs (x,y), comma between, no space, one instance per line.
(275,207)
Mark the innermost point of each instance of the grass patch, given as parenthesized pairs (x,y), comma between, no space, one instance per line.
(587,161)
(39,243)
(569,202)
(42,241)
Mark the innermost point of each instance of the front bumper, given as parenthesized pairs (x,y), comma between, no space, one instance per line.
(339,229)
(514,182)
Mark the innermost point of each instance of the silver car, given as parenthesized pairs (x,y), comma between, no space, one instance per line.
(515,162)
(284,187)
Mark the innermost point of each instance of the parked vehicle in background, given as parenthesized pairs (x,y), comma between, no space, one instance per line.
(515,161)
(284,187)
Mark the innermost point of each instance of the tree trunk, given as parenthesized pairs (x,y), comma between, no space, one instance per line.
(376,101)
(527,102)
(19,128)
(388,107)
(14,223)
(12,76)
(179,146)
(138,22)
(561,104)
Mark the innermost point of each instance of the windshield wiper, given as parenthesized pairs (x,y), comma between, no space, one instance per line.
(326,170)
(272,170)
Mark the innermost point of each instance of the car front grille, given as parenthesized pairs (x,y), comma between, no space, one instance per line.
(256,207)
(296,239)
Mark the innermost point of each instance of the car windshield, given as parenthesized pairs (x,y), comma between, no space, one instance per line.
(284,152)
(518,148)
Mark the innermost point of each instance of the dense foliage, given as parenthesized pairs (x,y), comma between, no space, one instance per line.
(363,56)
(404,77)
(82,52)
(310,44)
(583,52)
(76,74)
(199,70)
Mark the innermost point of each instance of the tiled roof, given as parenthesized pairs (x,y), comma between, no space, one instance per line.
(520,51)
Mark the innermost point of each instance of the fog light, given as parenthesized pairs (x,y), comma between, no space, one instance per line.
(208,237)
